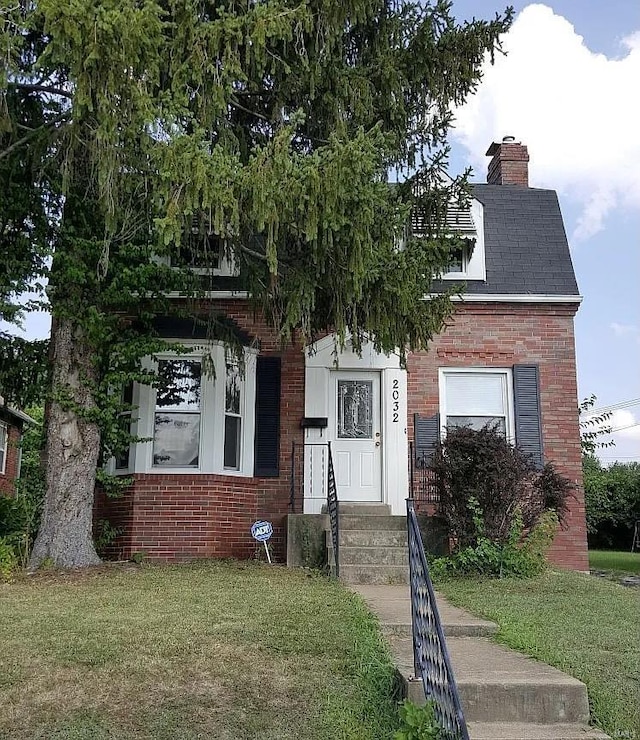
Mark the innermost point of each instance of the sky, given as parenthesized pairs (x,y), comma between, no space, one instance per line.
(568,88)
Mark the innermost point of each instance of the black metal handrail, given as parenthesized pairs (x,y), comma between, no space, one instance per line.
(333,510)
(327,485)
(430,654)
(422,478)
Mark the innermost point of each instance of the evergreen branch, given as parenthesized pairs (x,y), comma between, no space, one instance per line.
(27,137)
(43,89)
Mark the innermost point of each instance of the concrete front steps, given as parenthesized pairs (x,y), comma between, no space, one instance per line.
(505,695)
(373,545)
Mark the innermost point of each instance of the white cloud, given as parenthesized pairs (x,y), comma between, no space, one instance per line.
(577,111)
(621,330)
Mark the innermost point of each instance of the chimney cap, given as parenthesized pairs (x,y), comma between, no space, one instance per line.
(495,147)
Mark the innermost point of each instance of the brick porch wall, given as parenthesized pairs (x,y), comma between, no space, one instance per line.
(502,335)
(8,478)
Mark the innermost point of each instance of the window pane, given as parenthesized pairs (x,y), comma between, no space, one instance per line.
(475,394)
(232,426)
(200,250)
(355,409)
(232,395)
(478,422)
(179,388)
(176,440)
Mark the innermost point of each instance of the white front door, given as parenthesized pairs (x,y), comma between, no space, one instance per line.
(355,434)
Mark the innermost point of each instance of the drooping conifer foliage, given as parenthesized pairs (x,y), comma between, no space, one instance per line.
(277,124)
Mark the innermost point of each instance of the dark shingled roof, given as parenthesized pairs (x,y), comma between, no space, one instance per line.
(526,249)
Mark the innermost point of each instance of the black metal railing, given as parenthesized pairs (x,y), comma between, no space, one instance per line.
(313,477)
(422,478)
(333,510)
(430,654)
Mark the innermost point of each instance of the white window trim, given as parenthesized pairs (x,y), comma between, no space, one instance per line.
(475,266)
(506,372)
(212,414)
(226,268)
(4,438)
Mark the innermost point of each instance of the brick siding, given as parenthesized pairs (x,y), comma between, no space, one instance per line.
(195,515)
(502,335)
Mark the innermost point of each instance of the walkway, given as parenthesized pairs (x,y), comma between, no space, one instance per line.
(505,695)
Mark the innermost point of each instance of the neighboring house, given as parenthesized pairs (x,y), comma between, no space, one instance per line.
(222,451)
(12,423)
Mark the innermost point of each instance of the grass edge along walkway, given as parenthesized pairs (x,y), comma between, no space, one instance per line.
(181,652)
(583,625)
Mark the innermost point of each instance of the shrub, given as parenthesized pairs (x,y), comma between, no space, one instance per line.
(480,466)
(612,501)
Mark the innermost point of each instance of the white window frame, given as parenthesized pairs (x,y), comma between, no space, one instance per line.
(505,372)
(4,445)
(474,265)
(212,415)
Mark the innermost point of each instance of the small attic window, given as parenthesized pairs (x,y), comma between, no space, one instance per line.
(201,250)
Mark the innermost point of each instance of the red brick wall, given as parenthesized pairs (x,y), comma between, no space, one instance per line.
(7,480)
(184,516)
(206,515)
(502,335)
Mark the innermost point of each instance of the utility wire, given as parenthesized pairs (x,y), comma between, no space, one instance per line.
(614,406)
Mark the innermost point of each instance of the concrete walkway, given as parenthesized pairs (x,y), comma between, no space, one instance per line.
(505,695)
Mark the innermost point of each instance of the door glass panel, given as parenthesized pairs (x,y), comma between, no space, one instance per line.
(355,409)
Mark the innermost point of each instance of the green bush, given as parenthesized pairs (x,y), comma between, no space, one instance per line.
(521,556)
(501,511)
(612,501)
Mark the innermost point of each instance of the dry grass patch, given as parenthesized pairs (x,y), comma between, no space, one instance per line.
(182,652)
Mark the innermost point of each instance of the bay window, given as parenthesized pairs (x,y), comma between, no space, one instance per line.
(201,416)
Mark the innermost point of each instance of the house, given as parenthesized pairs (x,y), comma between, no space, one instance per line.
(224,451)
(12,423)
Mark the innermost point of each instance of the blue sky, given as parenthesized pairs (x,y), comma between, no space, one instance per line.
(569,90)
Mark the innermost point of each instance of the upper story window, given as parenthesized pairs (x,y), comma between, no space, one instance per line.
(477,397)
(467,261)
(4,436)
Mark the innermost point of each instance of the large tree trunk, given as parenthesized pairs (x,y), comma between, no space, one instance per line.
(71,453)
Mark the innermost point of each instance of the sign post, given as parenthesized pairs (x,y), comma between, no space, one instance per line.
(262,531)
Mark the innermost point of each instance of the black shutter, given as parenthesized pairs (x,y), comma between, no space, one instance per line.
(267,433)
(526,393)
(426,431)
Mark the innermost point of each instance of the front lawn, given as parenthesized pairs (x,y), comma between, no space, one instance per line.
(208,650)
(615,561)
(586,626)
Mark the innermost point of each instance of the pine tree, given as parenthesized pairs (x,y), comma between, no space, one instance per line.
(277,124)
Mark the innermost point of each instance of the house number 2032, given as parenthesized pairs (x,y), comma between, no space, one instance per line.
(395,400)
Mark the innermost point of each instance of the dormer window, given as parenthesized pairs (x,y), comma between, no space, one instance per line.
(201,251)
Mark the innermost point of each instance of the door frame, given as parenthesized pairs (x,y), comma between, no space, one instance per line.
(320,360)
(376,442)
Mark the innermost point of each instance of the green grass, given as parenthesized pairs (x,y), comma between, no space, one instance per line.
(209,650)
(615,561)
(586,626)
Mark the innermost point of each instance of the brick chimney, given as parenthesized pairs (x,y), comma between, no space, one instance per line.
(509,163)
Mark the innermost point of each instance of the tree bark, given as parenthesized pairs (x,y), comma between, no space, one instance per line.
(71,453)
